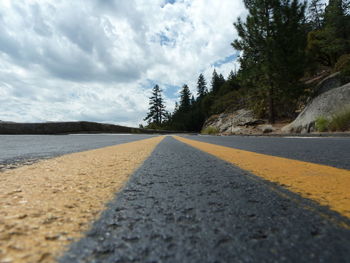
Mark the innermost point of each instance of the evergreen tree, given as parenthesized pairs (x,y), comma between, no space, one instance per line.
(157,110)
(231,76)
(185,98)
(337,18)
(193,101)
(316,13)
(176,108)
(221,80)
(333,40)
(216,82)
(346,7)
(167,117)
(231,84)
(273,41)
(201,86)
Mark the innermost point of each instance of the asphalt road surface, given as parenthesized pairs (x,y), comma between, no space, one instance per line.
(332,151)
(184,205)
(17,149)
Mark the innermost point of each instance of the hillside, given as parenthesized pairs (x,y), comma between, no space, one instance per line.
(69,127)
(297,49)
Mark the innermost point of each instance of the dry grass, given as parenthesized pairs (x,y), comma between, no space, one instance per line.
(210,130)
(340,121)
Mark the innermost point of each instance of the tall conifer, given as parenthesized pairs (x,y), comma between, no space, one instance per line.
(201,86)
(185,98)
(316,13)
(273,41)
(217,81)
(157,111)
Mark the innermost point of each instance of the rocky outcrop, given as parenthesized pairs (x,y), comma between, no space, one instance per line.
(331,82)
(239,122)
(325,105)
(267,128)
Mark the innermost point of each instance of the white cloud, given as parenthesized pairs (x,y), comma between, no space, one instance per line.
(94,60)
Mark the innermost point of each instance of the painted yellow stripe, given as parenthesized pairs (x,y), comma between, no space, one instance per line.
(327,185)
(45,206)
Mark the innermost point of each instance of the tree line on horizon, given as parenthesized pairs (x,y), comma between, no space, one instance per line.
(283,43)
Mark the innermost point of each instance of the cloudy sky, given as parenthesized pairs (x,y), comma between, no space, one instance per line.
(96,60)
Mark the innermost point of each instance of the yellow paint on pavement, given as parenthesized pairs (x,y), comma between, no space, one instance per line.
(47,205)
(327,185)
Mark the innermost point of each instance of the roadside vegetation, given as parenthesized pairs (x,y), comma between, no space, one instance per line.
(210,131)
(283,44)
(322,124)
(339,122)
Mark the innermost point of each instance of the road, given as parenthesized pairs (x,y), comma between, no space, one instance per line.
(186,203)
(329,151)
(18,149)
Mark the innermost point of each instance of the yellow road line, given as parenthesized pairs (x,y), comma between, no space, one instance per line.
(327,185)
(45,206)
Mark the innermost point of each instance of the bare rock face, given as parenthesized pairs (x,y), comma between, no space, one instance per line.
(331,82)
(267,128)
(238,122)
(325,105)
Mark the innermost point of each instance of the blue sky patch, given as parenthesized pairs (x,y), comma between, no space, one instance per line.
(170,2)
(171,91)
(226,60)
(164,40)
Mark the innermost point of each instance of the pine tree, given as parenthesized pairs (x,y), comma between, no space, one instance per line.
(221,80)
(185,98)
(201,86)
(193,101)
(316,14)
(337,20)
(230,84)
(231,76)
(157,111)
(333,40)
(273,41)
(216,82)
(167,116)
(346,6)
(176,108)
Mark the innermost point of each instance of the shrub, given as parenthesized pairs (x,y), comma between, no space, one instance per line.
(343,65)
(210,130)
(230,102)
(340,121)
(321,124)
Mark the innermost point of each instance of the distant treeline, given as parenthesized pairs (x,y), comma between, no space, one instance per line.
(282,43)
(69,127)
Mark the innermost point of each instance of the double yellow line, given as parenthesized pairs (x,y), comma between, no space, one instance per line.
(326,185)
(43,207)
(47,205)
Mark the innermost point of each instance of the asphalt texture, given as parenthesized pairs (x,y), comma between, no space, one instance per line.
(20,149)
(332,151)
(183,205)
